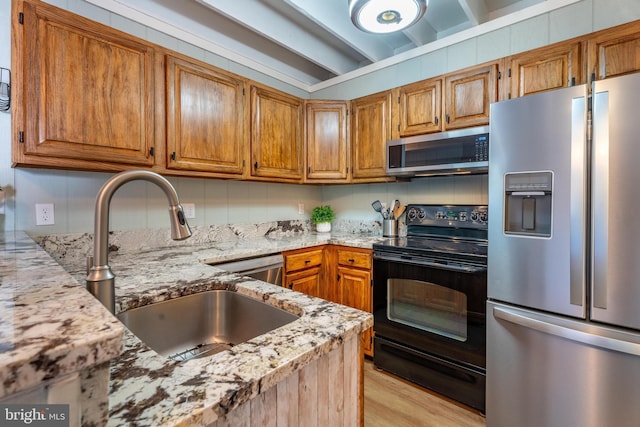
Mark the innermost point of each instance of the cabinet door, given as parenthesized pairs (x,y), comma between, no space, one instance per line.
(615,52)
(468,95)
(355,288)
(327,143)
(305,281)
(420,106)
(276,134)
(89,92)
(370,129)
(546,69)
(205,118)
(303,271)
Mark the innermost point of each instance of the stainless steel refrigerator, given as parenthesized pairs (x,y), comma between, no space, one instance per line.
(563,316)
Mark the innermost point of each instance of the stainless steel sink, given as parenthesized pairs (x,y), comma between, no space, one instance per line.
(202,324)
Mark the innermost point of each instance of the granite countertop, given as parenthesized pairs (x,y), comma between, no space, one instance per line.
(149,389)
(153,390)
(49,326)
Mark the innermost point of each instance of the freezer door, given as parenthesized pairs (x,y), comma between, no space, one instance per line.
(548,371)
(541,138)
(616,202)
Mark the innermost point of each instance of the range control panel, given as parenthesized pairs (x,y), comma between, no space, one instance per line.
(467,216)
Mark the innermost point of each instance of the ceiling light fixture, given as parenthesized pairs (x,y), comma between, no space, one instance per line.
(386,16)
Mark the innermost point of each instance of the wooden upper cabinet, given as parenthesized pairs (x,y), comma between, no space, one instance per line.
(468,94)
(615,51)
(326,141)
(205,118)
(370,130)
(420,107)
(276,134)
(545,69)
(89,92)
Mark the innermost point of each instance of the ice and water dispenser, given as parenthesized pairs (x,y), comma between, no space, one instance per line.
(528,203)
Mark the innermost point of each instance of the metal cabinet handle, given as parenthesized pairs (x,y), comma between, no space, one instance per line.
(601,341)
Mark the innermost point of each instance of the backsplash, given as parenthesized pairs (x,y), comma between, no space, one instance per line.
(70,250)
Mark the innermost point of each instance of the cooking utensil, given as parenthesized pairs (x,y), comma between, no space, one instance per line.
(384,211)
(377,206)
(398,211)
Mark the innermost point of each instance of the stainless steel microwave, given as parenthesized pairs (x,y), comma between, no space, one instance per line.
(462,151)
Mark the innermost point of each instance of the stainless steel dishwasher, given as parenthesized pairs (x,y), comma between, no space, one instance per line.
(267,268)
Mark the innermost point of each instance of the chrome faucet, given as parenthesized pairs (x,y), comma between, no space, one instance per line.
(100,278)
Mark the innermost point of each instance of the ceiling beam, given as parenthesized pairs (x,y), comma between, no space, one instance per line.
(264,21)
(421,33)
(476,10)
(324,14)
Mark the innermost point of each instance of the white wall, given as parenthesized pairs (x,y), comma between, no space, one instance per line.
(141,205)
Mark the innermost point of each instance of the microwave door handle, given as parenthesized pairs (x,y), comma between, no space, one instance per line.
(527,193)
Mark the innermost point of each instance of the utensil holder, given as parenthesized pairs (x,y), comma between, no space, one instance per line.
(389,228)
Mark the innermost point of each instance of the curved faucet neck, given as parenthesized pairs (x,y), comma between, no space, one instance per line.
(103,201)
(100,278)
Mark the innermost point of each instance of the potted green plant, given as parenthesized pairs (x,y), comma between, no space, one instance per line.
(322,216)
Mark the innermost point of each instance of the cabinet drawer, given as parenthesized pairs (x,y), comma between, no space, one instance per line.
(302,260)
(354,259)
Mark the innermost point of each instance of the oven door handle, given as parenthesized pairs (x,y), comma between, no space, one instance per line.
(468,268)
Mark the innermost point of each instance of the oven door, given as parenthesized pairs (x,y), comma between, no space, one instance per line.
(429,324)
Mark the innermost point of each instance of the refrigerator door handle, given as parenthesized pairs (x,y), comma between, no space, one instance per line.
(578,207)
(552,328)
(600,204)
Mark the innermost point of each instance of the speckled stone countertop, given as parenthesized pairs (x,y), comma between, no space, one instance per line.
(147,389)
(49,325)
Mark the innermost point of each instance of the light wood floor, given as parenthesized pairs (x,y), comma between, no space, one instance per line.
(392,402)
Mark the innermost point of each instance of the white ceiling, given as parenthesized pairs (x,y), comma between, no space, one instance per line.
(311,43)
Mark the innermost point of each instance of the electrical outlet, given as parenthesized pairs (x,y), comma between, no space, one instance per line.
(300,208)
(44,214)
(189,210)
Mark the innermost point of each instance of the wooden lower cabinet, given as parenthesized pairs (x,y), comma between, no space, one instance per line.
(340,274)
(353,284)
(306,281)
(303,271)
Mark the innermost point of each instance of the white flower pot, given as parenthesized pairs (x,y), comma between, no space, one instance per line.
(323,227)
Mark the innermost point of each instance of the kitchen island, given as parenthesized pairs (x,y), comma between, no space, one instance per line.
(310,368)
